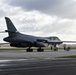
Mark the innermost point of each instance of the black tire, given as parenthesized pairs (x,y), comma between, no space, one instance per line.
(40,50)
(56,49)
(68,49)
(29,50)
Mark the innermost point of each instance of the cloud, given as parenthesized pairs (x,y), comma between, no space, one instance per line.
(44,24)
(60,8)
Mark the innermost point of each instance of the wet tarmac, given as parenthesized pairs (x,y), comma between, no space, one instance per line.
(38,67)
(37,63)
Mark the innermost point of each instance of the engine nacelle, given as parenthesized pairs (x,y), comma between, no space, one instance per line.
(39,44)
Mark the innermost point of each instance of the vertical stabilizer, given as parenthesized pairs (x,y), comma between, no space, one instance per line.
(10,27)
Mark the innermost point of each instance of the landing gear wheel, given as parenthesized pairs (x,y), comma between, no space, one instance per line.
(68,49)
(55,49)
(29,50)
(40,50)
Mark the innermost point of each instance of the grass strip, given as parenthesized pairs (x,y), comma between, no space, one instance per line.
(72,56)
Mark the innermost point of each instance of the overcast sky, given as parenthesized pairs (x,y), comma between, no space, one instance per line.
(40,17)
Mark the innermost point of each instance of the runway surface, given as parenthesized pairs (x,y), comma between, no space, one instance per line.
(37,63)
(22,54)
(38,67)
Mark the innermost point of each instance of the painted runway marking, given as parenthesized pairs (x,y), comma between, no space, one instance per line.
(11,60)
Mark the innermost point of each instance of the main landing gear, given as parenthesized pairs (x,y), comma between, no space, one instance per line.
(40,50)
(29,50)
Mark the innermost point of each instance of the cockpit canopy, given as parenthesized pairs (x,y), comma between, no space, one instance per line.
(54,38)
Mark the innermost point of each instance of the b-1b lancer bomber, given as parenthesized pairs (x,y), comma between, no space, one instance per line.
(17,39)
